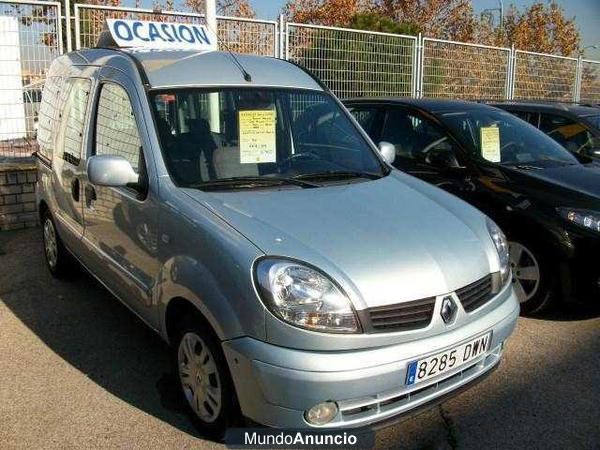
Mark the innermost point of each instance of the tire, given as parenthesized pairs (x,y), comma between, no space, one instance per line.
(532,277)
(59,261)
(203,378)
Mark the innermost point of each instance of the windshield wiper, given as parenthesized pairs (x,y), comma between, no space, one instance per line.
(525,167)
(337,174)
(250,182)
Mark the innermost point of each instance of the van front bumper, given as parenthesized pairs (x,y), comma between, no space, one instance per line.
(276,385)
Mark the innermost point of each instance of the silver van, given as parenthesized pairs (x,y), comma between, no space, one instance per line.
(238,209)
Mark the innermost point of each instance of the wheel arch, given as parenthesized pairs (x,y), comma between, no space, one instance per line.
(185,281)
(546,235)
(179,308)
(43,208)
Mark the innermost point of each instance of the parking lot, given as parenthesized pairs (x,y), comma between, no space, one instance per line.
(79,370)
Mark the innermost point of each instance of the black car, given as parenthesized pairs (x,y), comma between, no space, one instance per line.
(575,127)
(545,198)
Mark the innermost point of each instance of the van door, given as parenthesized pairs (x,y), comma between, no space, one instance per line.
(121,223)
(67,161)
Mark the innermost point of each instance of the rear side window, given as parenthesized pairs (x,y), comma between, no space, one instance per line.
(116,129)
(532,118)
(73,119)
(570,134)
(46,125)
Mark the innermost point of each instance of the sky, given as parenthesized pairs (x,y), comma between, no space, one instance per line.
(586,13)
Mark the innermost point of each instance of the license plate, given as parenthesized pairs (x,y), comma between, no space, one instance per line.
(429,367)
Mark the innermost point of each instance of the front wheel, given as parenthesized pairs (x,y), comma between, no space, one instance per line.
(204,380)
(531,277)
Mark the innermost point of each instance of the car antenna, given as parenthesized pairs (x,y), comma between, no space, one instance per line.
(236,61)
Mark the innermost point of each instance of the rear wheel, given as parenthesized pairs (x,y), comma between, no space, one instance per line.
(58,259)
(204,379)
(531,277)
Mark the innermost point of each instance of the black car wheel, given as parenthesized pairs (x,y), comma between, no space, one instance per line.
(531,277)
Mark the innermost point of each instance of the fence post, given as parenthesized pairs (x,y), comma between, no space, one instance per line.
(413,88)
(77,28)
(286,40)
(281,41)
(419,63)
(513,73)
(68,24)
(578,79)
(59,33)
(509,73)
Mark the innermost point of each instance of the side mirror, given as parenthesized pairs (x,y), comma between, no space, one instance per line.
(111,170)
(388,151)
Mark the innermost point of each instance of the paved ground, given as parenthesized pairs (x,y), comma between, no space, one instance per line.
(78,370)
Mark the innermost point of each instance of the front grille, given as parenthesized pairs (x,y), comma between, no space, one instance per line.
(476,294)
(402,316)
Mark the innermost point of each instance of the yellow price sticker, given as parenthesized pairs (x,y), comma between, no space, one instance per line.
(490,144)
(257,136)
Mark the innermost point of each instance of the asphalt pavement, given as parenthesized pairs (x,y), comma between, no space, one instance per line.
(78,370)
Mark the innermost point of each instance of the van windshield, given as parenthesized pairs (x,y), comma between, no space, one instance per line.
(214,137)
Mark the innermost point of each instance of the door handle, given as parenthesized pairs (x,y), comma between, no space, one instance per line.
(90,195)
(75,189)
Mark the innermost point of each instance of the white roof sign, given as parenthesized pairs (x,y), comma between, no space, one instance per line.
(161,35)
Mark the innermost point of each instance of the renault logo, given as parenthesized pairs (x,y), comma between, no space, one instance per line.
(448,310)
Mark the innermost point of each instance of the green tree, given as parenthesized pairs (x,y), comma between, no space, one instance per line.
(373,21)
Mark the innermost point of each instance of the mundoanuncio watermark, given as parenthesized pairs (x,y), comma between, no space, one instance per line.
(298,438)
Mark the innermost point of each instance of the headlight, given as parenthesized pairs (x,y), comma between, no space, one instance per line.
(582,217)
(304,297)
(502,248)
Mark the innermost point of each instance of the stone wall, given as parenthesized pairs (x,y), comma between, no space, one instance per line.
(18,208)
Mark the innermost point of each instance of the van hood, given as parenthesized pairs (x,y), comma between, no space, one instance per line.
(384,241)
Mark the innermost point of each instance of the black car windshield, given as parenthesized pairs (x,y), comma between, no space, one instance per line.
(499,137)
(259,137)
(593,121)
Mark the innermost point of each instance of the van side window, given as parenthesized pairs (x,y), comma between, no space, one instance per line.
(116,130)
(47,115)
(70,135)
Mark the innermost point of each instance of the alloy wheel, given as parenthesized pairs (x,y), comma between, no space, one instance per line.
(525,271)
(199,377)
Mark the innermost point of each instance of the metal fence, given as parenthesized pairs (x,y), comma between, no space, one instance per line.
(351,62)
(238,34)
(589,86)
(30,38)
(468,71)
(545,77)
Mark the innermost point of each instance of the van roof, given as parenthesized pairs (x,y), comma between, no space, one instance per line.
(180,68)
